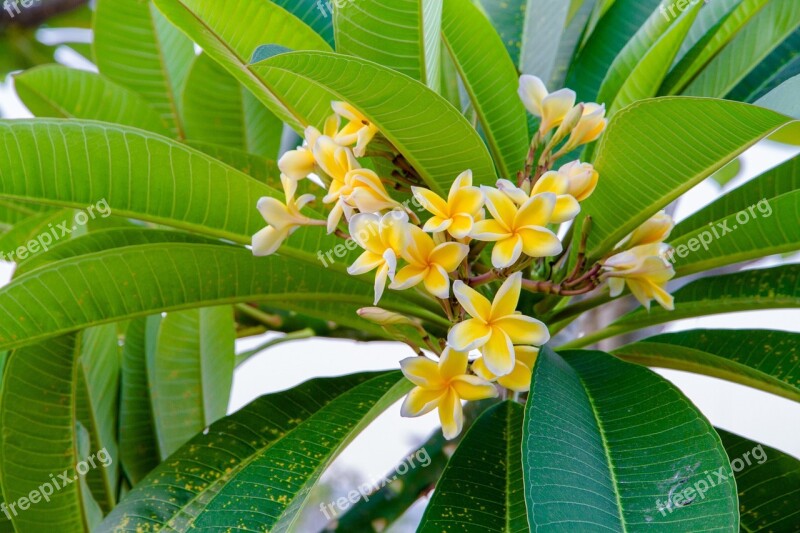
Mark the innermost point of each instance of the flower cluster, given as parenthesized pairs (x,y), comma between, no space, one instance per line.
(473,251)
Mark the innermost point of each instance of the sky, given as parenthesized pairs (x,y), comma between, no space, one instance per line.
(760,416)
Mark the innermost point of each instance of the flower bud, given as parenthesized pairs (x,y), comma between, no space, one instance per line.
(582,178)
(382,317)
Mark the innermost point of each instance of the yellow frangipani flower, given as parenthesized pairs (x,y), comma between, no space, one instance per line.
(495,327)
(443,386)
(582,178)
(519,380)
(645,271)
(592,124)
(428,263)
(382,238)
(567,206)
(552,108)
(298,164)
(456,215)
(517,230)
(282,219)
(359,131)
(656,229)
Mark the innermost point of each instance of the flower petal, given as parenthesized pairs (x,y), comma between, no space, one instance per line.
(467,200)
(507,297)
(452,363)
(537,211)
(449,255)
(422,372)
(506,252)
(461,226)
(523,329)
(489,230)
(532,92)
(365,230)
(500,206)
(519,379)
(421,401)
(408,276)
(431,201)
(451,415)
(366,262)
(268,240)
(380,281)
(437,282)
(566,209)
(539,242)
(498,353)
(479,367)
(437,223)
(526,354)
(473,388)
(468,335)
(472,301)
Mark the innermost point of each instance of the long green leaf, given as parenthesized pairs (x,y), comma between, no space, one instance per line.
(490,79)
(726,22)
(545,21)
(639,69)
(273,450)
(765,228)
(138,446)
(41,380)
(783,98)
(780,65)
(766,31)
(481,488)
(607,444)
(766,360)
(219,110)
(750,290)
(400,34)
(135,46)
(141,280)
(192,372)
(768,481)
(656,150)
(417,121)
(207,22)
(60,92)
(314,13)
(613,31)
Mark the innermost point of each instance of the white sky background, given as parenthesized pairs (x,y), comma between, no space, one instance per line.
(760,416)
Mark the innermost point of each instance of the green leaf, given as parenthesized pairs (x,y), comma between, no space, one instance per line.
(481,488)
(274,450)
(775,182)
(783,98)
(508,19)
(135,46)
(97,406)
(257,167)
(780,65)
(656,150)
(768,481)
(545,21)
(613,31)
(40,384)
(314,13)
(767,227)
(138,446)
(766,31)
(219,110)
(706,24)
(721,23)
(639,69)
(61,92)
(207,22)
(401,35)
(750,290)
(490,79)
(607,443)
(136,281)
(100,241)
(763,359)
(418,122)
(192,373)
(15,244)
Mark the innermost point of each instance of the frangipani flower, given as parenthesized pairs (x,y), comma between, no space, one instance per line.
(552,108)
(645,271)
(282,219)
(458,213)
(517,229)
(495,327)
(443,386)
(298,164)
(567,207)
(656,229)
(428,263)
(591,125)
(382,238)
(519,380)
(582,179)
(359,131)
